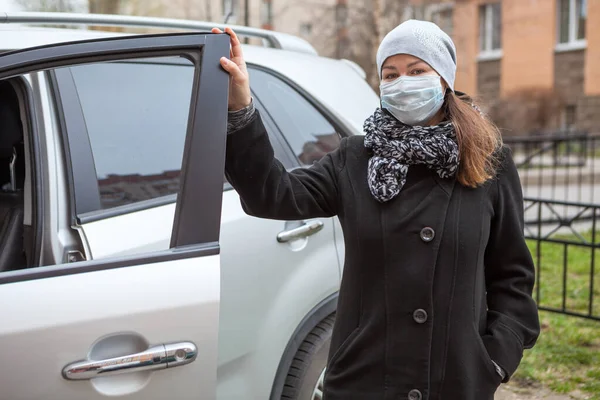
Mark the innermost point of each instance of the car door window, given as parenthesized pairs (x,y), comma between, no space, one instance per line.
(138,159)
(136,114)
(307,131)
(278,143)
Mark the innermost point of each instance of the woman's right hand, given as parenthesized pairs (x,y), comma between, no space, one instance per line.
(239,85)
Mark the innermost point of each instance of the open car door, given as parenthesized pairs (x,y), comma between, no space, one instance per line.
(144,326)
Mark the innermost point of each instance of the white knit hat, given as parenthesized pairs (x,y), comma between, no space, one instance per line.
(424,40)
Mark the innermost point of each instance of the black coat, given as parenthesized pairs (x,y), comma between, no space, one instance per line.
(437,282)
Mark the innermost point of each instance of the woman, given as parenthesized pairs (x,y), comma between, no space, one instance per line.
(435,301)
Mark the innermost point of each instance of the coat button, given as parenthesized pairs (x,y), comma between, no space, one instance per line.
(420,316)
(415,395)
(427,234)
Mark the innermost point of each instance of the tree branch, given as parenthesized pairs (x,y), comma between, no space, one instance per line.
(46,5)
(309,4)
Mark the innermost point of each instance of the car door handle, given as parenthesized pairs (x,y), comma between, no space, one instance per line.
(156,357)
(305,230)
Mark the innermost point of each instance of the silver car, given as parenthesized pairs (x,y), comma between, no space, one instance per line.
(128,267)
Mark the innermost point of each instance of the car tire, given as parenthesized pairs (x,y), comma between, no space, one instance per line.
(309,363)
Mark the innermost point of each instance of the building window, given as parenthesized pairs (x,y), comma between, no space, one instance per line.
(490,29)
(572,16)
(266,14)
(443,16)
(230,10)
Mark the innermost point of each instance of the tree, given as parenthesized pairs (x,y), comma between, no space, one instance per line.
(47,5)
(93,6)
(371,20)
(186,9)
(105,6)
(357,29)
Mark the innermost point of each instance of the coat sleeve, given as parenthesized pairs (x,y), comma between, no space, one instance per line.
(513,323)
(268,190)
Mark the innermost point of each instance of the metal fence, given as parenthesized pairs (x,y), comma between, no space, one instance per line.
(564,167)
(565,249)
(561,184)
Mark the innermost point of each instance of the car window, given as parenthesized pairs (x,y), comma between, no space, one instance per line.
(306,130)
(136,113)
(274,137)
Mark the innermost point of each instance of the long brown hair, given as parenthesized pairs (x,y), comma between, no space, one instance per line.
(478,140)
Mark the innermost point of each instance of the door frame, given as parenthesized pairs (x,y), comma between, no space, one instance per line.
(196,226)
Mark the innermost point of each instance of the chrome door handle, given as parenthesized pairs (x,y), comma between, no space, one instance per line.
(157,357)
(309,228)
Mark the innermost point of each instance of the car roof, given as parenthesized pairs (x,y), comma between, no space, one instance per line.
(336,84)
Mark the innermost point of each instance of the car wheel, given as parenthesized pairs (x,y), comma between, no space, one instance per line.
(307,372)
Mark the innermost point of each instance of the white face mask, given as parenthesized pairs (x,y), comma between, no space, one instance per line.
(413,100)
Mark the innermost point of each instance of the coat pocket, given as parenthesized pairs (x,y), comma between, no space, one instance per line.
(338,354)
(487,361)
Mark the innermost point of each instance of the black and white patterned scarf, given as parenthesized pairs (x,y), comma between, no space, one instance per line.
(396,146)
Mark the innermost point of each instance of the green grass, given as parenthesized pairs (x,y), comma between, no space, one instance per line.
(550,262)
(566,357)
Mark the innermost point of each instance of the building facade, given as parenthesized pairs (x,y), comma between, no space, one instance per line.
(534,64)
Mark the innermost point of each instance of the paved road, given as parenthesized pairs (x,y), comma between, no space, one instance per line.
(589,194)
(511,392)
(585,193)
